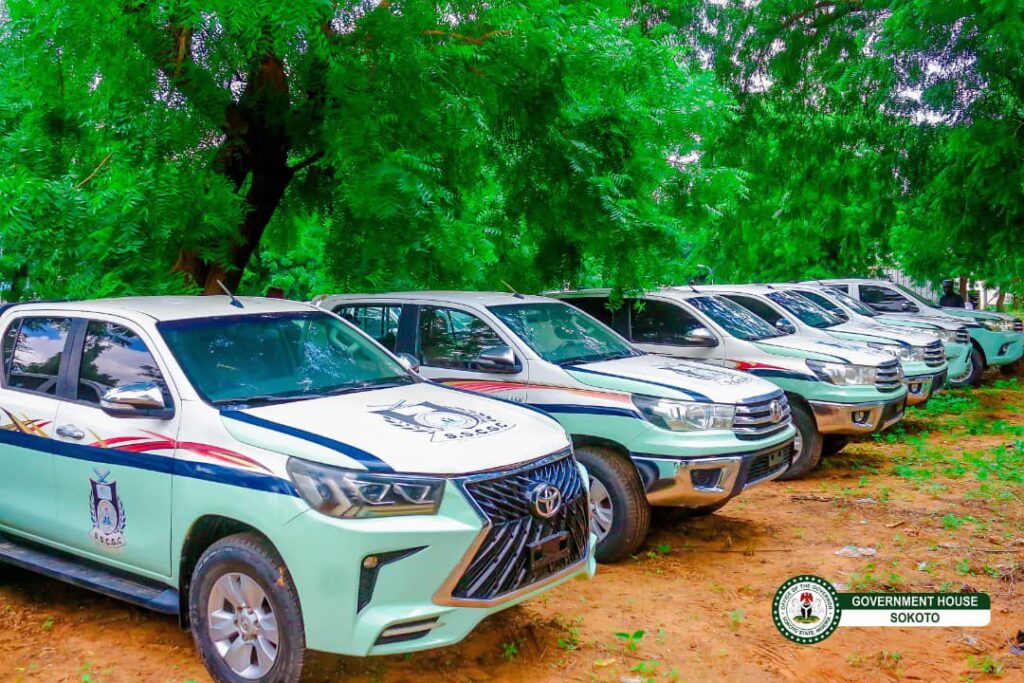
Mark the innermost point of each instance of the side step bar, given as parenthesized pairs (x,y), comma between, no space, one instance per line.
(90,575)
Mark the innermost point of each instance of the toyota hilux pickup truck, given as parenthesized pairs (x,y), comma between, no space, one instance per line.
(923,357)
(836,389)
(651,431)
(965,366)
(270,474)
(999,338)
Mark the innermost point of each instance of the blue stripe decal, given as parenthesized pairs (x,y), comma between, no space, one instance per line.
(695,395)
(368,460)
(782,374)
(587,410)
(150,462)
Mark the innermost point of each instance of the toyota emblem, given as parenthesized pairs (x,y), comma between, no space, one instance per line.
(776,411)
(545,500)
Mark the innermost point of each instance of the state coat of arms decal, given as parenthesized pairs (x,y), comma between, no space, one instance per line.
(107,511)
(443,423)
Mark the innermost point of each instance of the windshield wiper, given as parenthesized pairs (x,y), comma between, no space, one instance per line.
(263,400)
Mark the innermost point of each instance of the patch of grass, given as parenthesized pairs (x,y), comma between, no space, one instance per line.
(631,639)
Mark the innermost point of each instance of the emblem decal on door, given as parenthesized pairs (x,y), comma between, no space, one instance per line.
(107,512)
(443,423)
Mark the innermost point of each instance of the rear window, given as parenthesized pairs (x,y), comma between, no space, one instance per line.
(35,350)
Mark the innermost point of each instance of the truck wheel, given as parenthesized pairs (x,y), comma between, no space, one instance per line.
(666,516)
(833,443)
(808,443)
(1010,369)
(244,613)
(972,376)
(619,513)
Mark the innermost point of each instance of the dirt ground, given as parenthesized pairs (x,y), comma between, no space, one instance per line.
(940,500)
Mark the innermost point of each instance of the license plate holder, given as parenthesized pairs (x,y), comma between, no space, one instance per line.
(548,550)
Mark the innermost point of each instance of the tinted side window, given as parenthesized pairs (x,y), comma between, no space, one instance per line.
(661,323)
(595,306)
(453,339)
(36,352)
(113,356)
(884,299)
(758,308)
(841,288)
(826,304)
(380,322)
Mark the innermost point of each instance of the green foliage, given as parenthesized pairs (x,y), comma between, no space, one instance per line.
(357,145)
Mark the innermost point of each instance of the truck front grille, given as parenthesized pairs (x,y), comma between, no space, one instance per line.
(1018,325)
(934,354)
(506,561)
(765,417)
(963,336)
(890,376)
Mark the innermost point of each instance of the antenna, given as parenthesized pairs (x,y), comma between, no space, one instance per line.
(513,290)
(234,302)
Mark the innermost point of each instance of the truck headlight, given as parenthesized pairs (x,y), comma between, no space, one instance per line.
(904,353)
(997,325)
(843,373)
(349,493)
(684,416)
(947,336)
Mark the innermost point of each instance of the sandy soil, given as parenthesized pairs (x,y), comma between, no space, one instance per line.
(701,591)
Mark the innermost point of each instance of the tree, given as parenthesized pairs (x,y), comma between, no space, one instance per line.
(154,147)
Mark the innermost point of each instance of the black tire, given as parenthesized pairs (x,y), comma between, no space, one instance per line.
(833,443)
(810,452)
(1010,369)
(630,512)
(973,378)
(253,556)
(666,516)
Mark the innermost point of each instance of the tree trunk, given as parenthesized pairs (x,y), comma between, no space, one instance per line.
(1001,301)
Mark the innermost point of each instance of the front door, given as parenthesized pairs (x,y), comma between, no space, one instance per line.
(114,489)
(449,342)
(33,351)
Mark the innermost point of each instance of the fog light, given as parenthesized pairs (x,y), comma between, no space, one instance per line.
(705,479)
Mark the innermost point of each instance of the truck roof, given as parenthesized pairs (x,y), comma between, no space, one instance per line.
(167,307)
(449,296)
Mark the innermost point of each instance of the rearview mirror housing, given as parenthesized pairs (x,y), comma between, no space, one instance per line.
(138,399)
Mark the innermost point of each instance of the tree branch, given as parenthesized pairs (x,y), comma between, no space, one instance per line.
(306,162)
(468,39)
(96,170)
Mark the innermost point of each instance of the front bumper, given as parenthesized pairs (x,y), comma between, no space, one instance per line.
(920,388)
(697,482)
(854,419)
(1010,351)
(407,606)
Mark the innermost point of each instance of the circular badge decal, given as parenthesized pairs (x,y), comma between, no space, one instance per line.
(806,609)
(445,420)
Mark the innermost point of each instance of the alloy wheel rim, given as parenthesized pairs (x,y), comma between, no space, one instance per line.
(798,447)
(967,373)
(242,625)
(601,510)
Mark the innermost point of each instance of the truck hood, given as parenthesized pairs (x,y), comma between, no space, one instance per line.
(803,347)
(975,315)
(885,334)
(420,428)
(664,377)
(946,322)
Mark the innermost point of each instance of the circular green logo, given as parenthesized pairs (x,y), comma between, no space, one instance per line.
(806,609)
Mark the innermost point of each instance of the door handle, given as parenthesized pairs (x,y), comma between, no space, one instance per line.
(70,432)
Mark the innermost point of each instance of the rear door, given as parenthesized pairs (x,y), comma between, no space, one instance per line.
(114,491)
(448,344)
(34,352)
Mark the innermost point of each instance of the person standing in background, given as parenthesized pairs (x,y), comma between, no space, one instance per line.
(950,297)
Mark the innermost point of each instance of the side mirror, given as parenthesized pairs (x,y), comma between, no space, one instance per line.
(908,307)
(497,359)
(784,326)
(701,336)
(409,362)
(139,399)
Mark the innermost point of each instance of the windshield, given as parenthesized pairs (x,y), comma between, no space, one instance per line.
(806,310)
(562,334)
(916,297)
(733,318)
(826,303)
(851,303)
(272,358)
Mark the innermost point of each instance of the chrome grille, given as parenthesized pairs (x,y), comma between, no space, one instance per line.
(890,376)
(502,564)
(963,336)
(1018,325)
(758,419)
(934,354)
